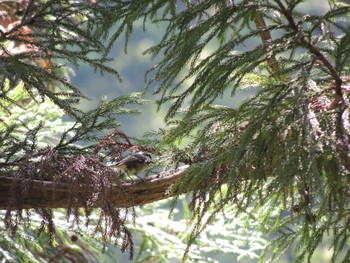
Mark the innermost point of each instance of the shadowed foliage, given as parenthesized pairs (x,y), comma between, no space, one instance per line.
(281,158)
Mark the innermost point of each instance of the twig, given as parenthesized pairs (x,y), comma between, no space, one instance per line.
(266,39)
(320,56)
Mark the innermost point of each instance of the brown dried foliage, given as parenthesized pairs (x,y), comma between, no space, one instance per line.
(89,185)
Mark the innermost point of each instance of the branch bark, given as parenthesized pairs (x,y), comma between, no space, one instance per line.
(266,39)
(47,194)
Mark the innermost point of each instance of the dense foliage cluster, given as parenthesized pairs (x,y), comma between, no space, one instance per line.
(37,40)
(281,158)
(284,153)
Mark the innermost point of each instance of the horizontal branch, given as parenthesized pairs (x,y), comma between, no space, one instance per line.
(48,194)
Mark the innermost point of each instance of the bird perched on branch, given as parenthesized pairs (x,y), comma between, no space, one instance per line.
(134,164)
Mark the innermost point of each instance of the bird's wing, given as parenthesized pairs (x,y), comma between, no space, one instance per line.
(130,158)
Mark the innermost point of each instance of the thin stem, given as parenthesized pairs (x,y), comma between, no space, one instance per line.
(314,50)
(266,39)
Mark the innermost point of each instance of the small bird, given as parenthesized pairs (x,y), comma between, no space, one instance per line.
(134,164)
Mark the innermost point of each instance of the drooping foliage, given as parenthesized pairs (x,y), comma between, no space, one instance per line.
(282,154)
(37,41)
(284,151)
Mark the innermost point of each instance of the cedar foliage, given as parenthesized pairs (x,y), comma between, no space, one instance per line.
(37,38)
(285,147)
(283,153)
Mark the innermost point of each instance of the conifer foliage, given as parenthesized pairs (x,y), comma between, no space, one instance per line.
(37,40)
(281,157)
(284,153)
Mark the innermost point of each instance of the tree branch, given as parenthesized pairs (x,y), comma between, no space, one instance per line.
(48,194)
(338,97)
(266,39)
